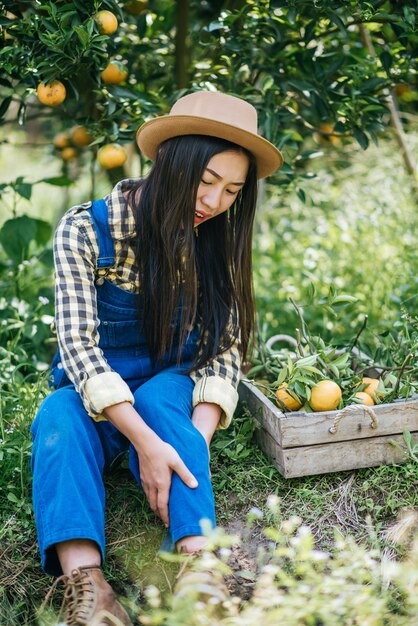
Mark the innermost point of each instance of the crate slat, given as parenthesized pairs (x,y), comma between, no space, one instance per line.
(336,457)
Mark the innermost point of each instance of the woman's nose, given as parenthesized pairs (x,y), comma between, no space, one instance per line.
(212,199)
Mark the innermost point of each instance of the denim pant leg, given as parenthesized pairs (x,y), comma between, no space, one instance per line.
(70,451)
(165,404)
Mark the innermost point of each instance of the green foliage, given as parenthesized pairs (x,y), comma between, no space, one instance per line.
(355,232)
(303,66)
(298,585)
(26,303)
(306,69)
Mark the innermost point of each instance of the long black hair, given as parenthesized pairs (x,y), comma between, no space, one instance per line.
(207,277)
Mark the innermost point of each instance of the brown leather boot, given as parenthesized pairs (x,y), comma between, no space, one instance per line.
(201,582)
(91,601)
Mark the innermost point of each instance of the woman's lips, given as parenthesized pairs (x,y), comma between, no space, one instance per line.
(204,216)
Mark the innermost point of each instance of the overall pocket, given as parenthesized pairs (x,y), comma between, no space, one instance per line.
(119,334)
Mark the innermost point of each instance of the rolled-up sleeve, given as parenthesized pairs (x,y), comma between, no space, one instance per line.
(75,253)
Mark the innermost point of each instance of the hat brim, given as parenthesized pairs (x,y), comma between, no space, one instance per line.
(151,134)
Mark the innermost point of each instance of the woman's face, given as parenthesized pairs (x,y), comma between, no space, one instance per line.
(221,182)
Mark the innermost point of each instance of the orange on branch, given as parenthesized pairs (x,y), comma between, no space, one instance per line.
(325,396)
(67,154)
(112,155)
(107,22)
(326,137)
(135,7)
(61,140)
(80,136)
(51,94)
(402,89)
(114,73)
(289,401)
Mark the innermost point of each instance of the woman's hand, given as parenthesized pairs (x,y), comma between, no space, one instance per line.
(157,461)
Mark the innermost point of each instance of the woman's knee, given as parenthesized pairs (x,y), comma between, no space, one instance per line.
(166,396)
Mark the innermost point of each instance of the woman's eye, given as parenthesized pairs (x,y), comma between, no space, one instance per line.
(206,182)
(233,193)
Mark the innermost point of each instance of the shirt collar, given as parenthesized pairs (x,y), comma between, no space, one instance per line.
(121,217)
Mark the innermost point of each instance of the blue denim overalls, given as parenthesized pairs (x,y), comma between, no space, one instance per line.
(71,450)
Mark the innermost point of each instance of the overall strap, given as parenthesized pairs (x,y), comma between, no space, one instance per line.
(99,215)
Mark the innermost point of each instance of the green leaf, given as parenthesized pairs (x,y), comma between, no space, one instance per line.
(23,189)
(312,291)
(334,370)
(299,389)
(344,298)
(58,181)
(361,138)
(312,369)
(282,376)
(291,15)
(82,35)
(307,360)
(43,232)
(333,17)
(386,60)
(17,234)
(341,361)
(255,370)
(4,106)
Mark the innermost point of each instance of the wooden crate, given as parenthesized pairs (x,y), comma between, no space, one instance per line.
(303,444)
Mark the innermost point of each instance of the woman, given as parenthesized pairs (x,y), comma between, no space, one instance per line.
(154,311)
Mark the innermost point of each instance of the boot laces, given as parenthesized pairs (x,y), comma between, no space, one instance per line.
(79,597)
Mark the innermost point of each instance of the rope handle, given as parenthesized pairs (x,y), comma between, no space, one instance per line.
(351,409)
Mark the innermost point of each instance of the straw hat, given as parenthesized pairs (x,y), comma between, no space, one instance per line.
(217,115)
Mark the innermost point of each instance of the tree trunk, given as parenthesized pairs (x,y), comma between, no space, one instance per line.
(181,53)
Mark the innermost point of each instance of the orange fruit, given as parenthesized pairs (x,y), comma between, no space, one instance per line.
(325,396)
(114,73)
(326,139)
(61,140)
(402,89)
(371,388)
(68,153)
(80,136)
(289,401)
(112,155)
(365,398)
(106,22)
(51,94)
(135,7)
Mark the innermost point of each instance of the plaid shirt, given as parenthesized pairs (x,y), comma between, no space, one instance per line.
(75,253)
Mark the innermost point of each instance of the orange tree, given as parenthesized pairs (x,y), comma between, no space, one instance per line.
(325,69)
